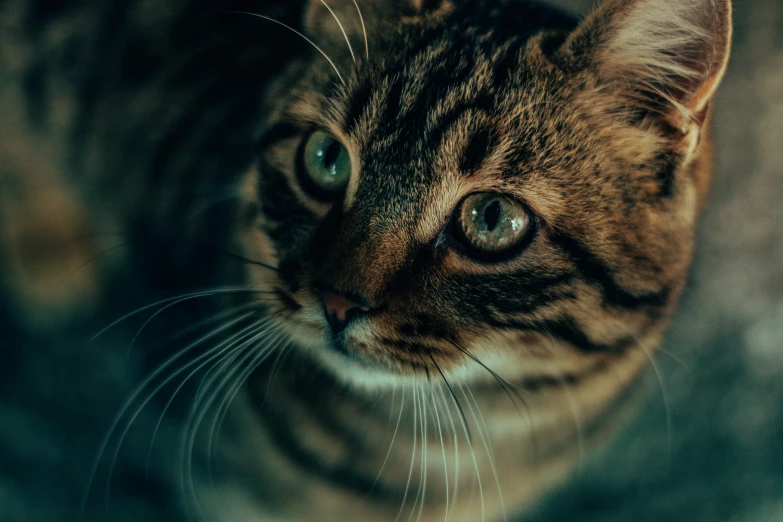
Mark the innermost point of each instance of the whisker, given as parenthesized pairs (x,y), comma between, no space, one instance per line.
(665,398)
(297,33)
(487,442)
(467,436)
(199,412)
(413,455)
(233,390)
(201,324)
(455,433)
(279,337)
(508,388)
(342,29)
(364,30)
(421,493)
(210,355)
(227,346)
(91,260)
(442,447)
(259,331)
(160,311)
(454,398)
(271,378)
(132,399)
(203,293)
(391,444)
(677,360)
(475,463)
(206,206)
(218,317)
(571,405)
(226,253)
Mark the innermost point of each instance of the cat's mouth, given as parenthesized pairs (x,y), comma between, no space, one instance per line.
(362,351)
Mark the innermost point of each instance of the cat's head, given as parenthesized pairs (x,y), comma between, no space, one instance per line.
(464,190)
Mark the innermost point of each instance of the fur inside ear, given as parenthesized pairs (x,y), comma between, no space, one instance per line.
(667,55)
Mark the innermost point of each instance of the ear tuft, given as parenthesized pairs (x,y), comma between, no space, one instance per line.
(661,52)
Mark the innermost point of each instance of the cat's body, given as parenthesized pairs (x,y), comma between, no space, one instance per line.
(471,288)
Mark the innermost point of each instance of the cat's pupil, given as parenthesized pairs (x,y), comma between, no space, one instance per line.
(331,155)
(492,215)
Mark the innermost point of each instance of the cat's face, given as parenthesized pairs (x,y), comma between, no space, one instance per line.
(472,196)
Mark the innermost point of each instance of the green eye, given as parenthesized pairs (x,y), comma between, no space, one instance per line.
(327,165)
(492,224)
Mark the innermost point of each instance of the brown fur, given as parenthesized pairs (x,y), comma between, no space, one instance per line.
(602,134)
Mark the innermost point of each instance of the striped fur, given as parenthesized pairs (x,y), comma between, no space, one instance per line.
(454,99)
(473,385)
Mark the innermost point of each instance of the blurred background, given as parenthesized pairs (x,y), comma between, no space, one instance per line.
(707,445)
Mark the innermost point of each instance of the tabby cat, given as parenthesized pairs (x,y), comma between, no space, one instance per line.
(469,222)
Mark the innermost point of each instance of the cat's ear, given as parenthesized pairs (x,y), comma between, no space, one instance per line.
(668,56)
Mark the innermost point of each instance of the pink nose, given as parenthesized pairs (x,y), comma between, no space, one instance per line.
(341,308)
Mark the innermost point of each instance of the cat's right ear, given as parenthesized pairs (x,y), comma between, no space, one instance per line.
(667,56)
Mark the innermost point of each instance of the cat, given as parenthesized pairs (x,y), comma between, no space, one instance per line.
(469,222)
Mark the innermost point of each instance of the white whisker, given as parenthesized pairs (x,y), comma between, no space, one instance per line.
(199,411)
(413,455)
(442,447)
(158,313)
(487,442)
(422,491)
(455,433)
(203,293)
(135,396)
(475,462)
(664,397)
(299,34)
(571,406)
(342,29)
(394,437)
(233,390)
(179,334)
(213,354)
(364,30)
(259,330)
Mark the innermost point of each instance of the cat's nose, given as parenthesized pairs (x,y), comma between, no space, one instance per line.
(340,307)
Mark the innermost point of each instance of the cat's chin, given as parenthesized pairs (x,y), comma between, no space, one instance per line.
(343,363)
(369,369)
(358,373)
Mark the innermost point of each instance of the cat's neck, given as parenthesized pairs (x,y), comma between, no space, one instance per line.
(429,448)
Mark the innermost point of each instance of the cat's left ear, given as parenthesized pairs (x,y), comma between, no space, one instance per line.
(667,56)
